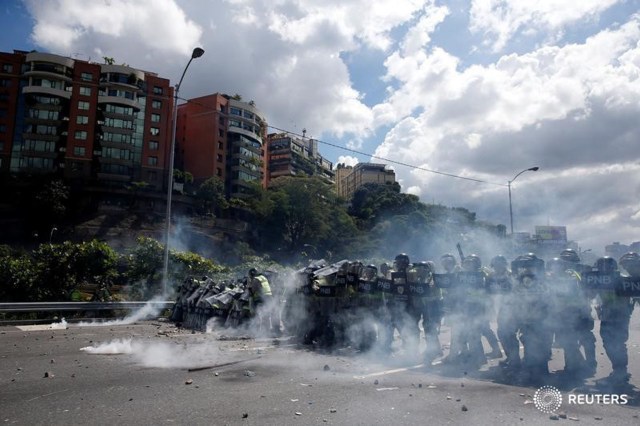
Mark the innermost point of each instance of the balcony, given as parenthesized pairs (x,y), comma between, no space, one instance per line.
(119,100)
(46,91)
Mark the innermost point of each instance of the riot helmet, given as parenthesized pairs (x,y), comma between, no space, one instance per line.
(528,265)
(448,262)
(472,263)
(423,269)
(402,262)
(253,272)
(499,263)
(631,263)
(569,256)
(370,272)
(606,265)
(556,266)
(384,268)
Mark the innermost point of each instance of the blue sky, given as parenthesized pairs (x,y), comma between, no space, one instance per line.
(478,88)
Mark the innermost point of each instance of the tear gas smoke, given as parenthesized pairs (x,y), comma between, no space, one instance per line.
(147,311)
(159,354)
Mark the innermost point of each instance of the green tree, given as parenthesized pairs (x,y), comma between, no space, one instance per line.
(302,210)
(17,276)
(211,196)
(48,207)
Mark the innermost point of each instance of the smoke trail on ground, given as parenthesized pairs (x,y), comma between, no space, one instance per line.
(147,311)
(159,354)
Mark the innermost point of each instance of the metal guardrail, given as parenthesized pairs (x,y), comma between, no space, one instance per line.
(80,306)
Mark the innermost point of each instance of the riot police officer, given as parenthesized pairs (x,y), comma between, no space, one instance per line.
(430,307)
(500,286)
(473,312)
(530,312)
(584,320)
(614,312)
(566,312)
(403,317)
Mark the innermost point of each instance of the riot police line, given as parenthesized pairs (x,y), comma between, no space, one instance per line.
(535,304)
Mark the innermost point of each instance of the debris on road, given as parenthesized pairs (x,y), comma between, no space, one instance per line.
(464,408)
(387,389)
(298,413)
(326,367)
(249,373)
(188,381)
(49,375)
(245,415)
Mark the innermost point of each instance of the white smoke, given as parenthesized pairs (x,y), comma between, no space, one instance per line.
(147,311)
(159,354)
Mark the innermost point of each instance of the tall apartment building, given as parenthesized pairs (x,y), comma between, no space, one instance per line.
(349,179)
(288,155)
(218,135)
(98,123)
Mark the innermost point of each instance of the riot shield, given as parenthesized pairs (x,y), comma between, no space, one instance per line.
(384,285)
(444,280)
(367,286)
(630,287)
(399,286)
(499,285)
(596,280)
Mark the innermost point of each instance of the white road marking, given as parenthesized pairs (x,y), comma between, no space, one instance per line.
(383,373)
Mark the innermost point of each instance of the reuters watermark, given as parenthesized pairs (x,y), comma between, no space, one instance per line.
(548,399)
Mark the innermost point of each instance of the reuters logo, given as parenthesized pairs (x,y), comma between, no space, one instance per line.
(547,399)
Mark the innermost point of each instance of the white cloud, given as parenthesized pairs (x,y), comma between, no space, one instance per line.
(71,25)
(347,160)
(571,110)
(500,20)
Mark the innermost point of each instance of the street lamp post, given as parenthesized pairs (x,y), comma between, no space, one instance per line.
(197,52)
(531,169)
(54,229)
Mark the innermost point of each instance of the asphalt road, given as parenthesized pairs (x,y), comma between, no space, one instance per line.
(139,375)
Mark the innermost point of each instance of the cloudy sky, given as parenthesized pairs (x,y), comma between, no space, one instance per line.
(481,89)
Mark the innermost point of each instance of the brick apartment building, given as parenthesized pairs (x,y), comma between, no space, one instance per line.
(102,124)
(288,155)
(219,135)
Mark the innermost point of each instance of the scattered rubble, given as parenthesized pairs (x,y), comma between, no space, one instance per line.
(188,381)
(49,375)
(464,408)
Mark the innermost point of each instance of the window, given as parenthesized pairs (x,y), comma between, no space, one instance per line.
(81,135)
(7,68)
(235,111)
(82,119)
(3,128)
(83,105)
(157,90)
(153,145)
(220,145)
(152,176)
(152,161)
(118,123)
(5,82)
(155,118)
(85,91)
(248,115)
(79,151)
(219,157)
(221,133)
(156,104)
(219,171)
(86,76)
(154,131)
(43,114)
